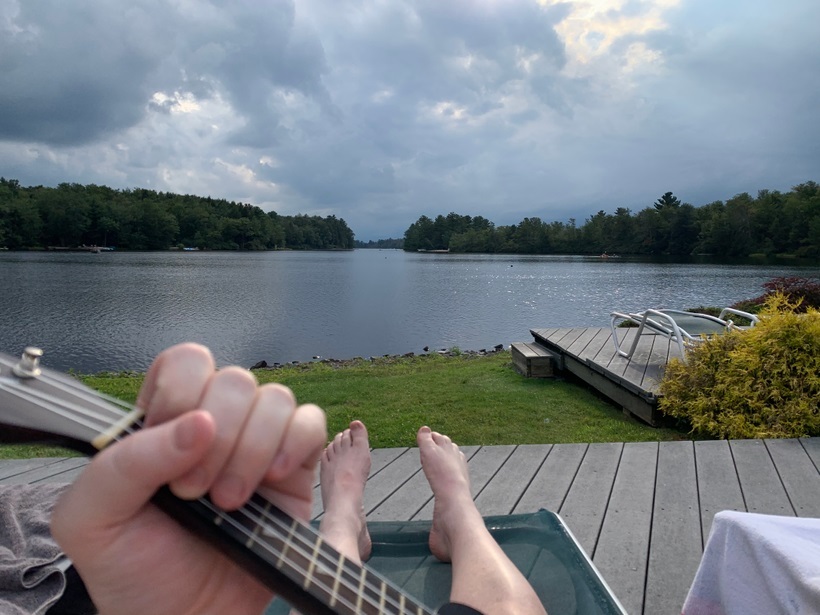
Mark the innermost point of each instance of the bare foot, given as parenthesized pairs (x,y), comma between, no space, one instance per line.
(343,473)
(454,512)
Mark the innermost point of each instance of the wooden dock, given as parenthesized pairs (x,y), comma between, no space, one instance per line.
(589,354)
(642,511)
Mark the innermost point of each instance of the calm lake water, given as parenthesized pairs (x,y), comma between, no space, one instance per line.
(116,311)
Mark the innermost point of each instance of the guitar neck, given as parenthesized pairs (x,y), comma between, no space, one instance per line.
(288,556)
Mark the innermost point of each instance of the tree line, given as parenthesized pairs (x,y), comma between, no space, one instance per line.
(380,244)
(72,215)
(771,223)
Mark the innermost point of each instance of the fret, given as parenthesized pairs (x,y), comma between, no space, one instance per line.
(312,564)
(285,548)
(259,527)
(382,596)
(334,594)
(360,596)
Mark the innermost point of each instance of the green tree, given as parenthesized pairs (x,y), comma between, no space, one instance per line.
(668,200)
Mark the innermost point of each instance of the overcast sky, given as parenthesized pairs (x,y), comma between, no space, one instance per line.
(379,111)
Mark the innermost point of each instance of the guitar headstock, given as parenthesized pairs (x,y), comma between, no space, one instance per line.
(37,403)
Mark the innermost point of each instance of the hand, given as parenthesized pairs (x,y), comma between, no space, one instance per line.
(207,431)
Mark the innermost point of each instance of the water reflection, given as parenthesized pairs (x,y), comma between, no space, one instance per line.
(115,311)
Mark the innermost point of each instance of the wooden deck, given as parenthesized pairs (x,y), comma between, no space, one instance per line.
(589,354)
(642,511)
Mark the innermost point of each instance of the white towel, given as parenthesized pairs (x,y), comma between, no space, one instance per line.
(758,564)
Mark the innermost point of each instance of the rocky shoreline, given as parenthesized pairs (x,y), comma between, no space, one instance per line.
(387,358)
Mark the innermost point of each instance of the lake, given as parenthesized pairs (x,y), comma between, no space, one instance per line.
(116,310)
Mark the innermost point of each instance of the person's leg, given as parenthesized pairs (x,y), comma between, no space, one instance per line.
(343,472)
(483,576)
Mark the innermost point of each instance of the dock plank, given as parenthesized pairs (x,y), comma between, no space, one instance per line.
(798,474)
(548,488)
(390,478)
(579,346)
(655,364)
(718,485)
(622,551)
(15,467)
(505,489)
(618,364)
(636,367)
(601,340)
(586,502)
(812,448)
(762,489)
(62,471)
(676,539)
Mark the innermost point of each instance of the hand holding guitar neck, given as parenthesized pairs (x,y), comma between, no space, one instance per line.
(207,431)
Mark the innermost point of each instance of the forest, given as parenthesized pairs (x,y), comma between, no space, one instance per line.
(73,215)
(772,223)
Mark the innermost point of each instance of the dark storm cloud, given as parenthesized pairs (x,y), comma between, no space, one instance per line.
(72,72)
(379,112)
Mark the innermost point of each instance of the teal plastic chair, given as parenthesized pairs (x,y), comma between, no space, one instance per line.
(539,544)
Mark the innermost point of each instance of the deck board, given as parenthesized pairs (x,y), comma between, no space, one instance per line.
(675,543)
(549,487)
(622,551)
(586,503)
(504,490)
(641,510)
(718,485)
(763,491)
(60,471)
(602,340)
(798,475)
(13,467)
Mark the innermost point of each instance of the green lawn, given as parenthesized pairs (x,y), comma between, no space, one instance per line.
(475,400)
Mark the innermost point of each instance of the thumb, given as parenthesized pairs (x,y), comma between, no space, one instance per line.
(122,479)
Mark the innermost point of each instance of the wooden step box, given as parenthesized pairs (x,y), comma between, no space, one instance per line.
(533,360)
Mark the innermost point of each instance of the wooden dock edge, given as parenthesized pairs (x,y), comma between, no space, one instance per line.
(632,399)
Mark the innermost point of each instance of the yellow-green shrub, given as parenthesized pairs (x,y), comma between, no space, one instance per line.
(760,383)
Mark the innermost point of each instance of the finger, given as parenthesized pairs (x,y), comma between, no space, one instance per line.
(302,445)
(121,480)
(175,382)
(289,482)
(228,398)
(259,442)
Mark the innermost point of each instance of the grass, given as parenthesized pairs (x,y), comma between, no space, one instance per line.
(474,399)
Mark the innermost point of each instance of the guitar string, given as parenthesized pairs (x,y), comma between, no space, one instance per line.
(333,553)
(304,549)
(86,418)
